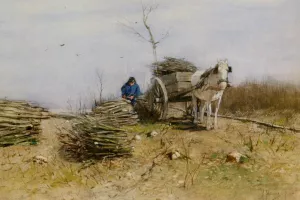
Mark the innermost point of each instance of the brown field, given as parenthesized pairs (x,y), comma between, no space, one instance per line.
(268,95)
(270,171)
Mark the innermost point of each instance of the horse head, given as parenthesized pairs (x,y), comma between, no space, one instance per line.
(220,73)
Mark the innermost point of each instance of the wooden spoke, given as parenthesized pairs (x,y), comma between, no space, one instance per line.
(158,99)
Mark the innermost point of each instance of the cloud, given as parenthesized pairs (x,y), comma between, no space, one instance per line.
(252,3)
(257,37)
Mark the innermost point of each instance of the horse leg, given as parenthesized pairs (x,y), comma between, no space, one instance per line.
(208,121)
(195,109)
(202,109)
(216,114)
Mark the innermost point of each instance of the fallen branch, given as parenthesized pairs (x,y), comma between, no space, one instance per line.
(155,161)
(243,119)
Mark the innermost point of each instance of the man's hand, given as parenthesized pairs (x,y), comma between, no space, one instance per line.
(124,96)
(131,97)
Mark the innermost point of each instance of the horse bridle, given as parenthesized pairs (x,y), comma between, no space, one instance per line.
(226,80)
(223,80)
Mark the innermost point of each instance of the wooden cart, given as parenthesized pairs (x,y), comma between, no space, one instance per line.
(170,95)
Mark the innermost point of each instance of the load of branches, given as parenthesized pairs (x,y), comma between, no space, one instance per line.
(171,65)
(89,138)
(20,122)
(116,113)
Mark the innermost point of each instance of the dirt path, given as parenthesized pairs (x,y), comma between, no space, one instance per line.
(21,178)
(271,172)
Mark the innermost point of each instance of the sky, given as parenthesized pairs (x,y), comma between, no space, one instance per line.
(258,37)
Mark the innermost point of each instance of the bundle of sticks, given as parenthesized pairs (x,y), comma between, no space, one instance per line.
(117,113)
(92,139)
(171,65)
(20,122)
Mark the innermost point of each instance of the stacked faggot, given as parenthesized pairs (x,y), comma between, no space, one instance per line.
(90,138)
(170,65)
(98,135)
(116,113)
(175,75)
(20,122)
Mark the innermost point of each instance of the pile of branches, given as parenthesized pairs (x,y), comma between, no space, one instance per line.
(89,138)
(116,113)
(20,122)
(171,65)
(143,108)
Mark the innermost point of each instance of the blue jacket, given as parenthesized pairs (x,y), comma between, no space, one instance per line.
(131,90)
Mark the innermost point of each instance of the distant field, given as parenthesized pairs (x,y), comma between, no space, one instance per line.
(251,96)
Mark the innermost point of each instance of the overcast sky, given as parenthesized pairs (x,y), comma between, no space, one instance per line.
(259,37)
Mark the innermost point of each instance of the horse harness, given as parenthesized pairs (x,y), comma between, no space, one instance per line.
(205,75)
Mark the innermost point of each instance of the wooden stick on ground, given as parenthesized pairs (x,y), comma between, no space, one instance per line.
(243,119)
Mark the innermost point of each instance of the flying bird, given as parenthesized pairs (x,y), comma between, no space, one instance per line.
(62,45)
(77,54)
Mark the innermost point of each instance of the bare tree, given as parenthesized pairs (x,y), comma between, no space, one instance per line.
(81,107)
(70,107)
(146,11)
(99,86)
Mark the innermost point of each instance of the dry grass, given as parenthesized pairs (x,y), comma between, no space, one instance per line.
(253,95)
(200,173)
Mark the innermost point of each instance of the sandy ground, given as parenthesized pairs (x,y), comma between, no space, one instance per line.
(270,172)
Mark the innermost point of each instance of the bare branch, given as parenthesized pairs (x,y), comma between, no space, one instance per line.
(69,102)
(146,10)
(134,31)
(163,37)
(100,85)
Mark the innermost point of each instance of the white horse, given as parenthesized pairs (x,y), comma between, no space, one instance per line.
(210,86)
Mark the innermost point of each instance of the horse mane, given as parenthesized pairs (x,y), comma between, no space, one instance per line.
(205,75)
(208,71)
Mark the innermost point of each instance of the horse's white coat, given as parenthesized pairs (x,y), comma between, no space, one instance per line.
(212,90)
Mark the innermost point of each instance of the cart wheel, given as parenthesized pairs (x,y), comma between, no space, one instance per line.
(158,99)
